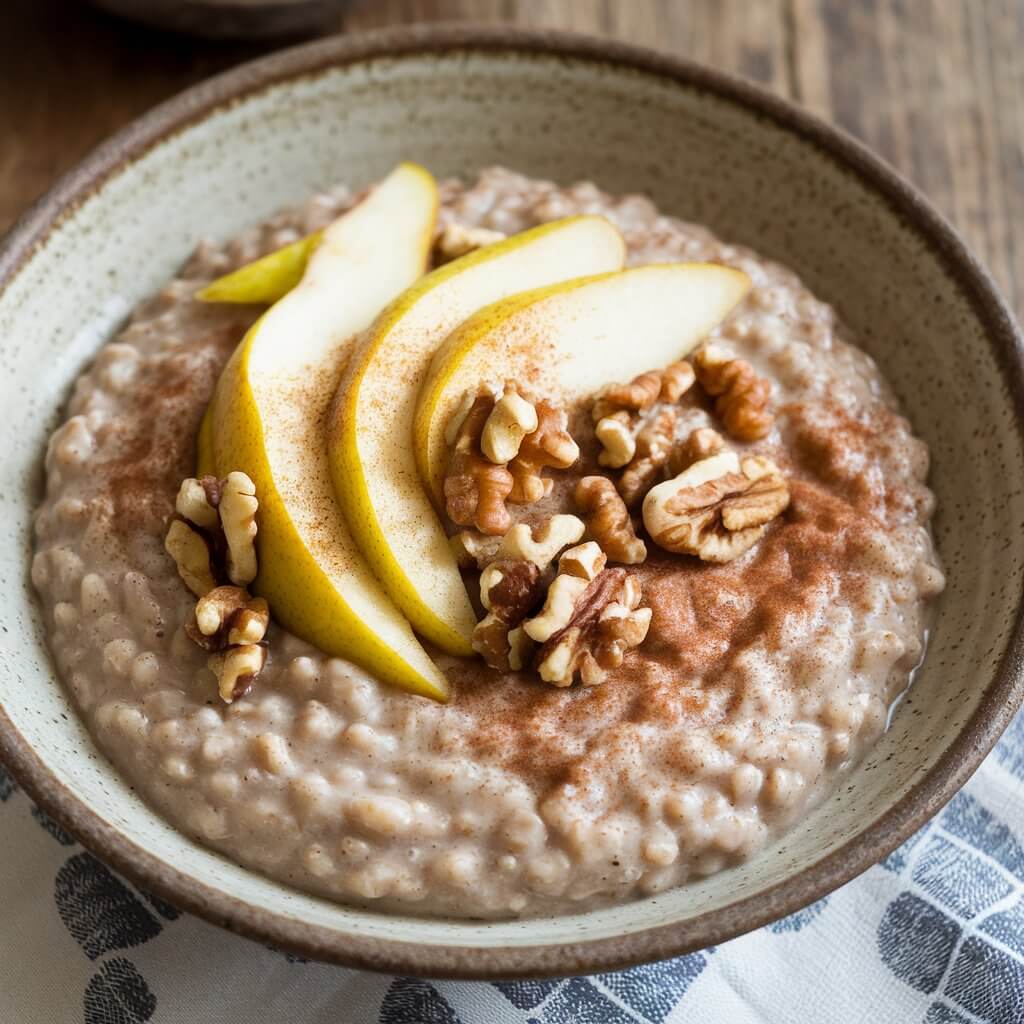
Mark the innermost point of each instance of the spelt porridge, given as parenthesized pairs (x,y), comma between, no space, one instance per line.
(758,680)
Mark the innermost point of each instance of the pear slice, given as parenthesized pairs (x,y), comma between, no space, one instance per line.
(268,420)
(569,339)
(267,279)
(370,424)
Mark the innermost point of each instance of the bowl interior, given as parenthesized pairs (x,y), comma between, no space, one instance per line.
(700,155)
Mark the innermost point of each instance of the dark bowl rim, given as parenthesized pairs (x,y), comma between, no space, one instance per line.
(954,767)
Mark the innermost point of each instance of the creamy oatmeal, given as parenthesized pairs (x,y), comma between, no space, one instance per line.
(759,680)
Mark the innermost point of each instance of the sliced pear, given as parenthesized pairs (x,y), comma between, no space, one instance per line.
(370,425)
(268,420)
(267,279)
(569,339)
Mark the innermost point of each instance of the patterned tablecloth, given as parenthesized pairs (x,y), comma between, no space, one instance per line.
(934,934)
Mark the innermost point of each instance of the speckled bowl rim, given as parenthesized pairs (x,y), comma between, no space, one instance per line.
(959,761)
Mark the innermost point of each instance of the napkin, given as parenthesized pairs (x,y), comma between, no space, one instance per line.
(934,934)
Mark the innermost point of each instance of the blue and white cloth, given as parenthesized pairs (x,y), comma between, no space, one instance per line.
(933,935)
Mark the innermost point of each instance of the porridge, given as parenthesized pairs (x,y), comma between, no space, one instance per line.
(726,579)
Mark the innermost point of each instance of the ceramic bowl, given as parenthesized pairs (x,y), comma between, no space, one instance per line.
(706,147)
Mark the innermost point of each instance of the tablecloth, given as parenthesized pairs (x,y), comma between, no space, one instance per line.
(934,934)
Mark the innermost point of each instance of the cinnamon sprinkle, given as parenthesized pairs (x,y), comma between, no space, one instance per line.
(154,434)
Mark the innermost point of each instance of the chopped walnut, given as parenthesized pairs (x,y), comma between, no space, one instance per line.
(512,584)
(636,396)
(618,410)
(616,433)
(456,240)
(718,508)
(228,616)
(608,520)
(222,515)
(238,505)
(666,385)
(520,647)
(541,546)
(511,419)
(197,502)
(549,446)
(562,595)
(192,554)
(236,669)
(604,622)
(742,398)
(653,446)
(508,591)
(475,489)
(213,540)
(676,380)
(701,444)
(472,549)
(584,560)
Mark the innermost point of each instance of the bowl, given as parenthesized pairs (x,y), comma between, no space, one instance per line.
(704,146)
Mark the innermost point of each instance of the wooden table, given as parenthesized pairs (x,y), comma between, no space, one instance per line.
(934,86)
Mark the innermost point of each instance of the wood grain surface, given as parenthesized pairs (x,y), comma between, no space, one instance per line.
(935,86)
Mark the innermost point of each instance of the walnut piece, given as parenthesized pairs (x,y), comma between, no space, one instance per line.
(238,505)
(236,669)
(197,501)
(220,514)
(511,419)
(549,446)
(475,489)
(472,549)
(636,396)
(192,554)
(520,647)
(618,410)
(512,584)
(701,444)
(616,433)
(742,398)
(508,590)
(541,546)
(562,595)
(608,520)
(456,240)
(718,508)
(653,446)
(584,560)
(228,616)
(676,380)
(603,624)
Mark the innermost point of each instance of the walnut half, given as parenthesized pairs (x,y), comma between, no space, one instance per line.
(604,623)
(718,508)
(608,520)
(742,398)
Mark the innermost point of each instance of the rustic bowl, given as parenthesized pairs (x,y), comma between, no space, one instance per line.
(705,146)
